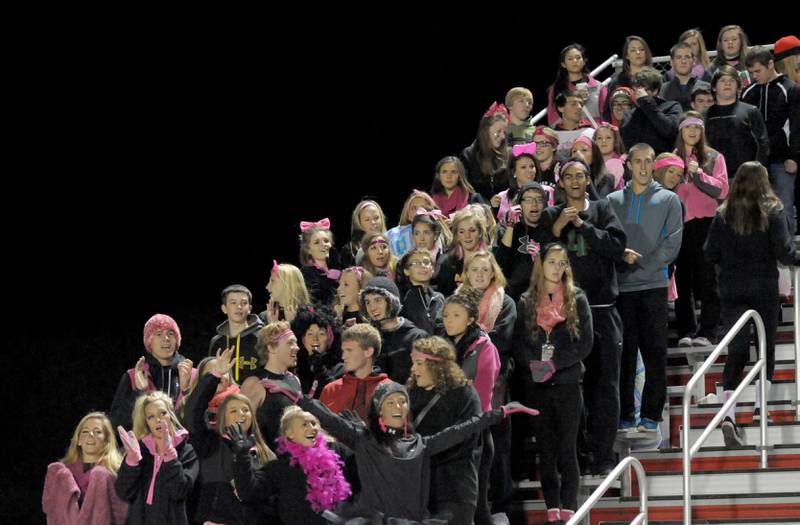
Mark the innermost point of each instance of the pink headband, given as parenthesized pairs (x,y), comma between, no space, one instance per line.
(583,139)
(358,270)
(324,223)
(286,333)
(692,121)
(572,163)
(275,267)
(497,108)
(670,161)
(433,214)
(541,133)
(607,125)
(379,240)
(429,357)
(521,149)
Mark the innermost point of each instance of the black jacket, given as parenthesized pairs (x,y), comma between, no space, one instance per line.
(164,378)
(447,276)
(423,307)
(454,472)
(779,104)
(738,132)
(673,90)
(248,358)
(516,263)
(594,249)
(568,354)
(487,186)
(321,288)
(395,477)
(395,356)
(653,121)
(173,483)
(745,262)
(216,500)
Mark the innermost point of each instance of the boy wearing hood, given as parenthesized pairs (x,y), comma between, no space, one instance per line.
(653,222)
(239,331)
(380,303)
(778,99)
(161,368)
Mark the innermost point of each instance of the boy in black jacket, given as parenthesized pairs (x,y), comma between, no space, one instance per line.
(239,331)
(778,99)
(595,241)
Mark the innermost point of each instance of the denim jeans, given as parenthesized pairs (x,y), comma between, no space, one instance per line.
(783,186)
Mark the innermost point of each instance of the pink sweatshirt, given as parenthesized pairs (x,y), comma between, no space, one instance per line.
(488,369)
(698,203)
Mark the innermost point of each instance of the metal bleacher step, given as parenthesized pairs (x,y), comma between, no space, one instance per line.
(777,433)
(719,458)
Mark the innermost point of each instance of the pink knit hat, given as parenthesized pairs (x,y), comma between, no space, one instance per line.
(160,322)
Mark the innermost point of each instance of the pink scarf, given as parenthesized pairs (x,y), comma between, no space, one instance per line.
(325,484)
(550,312)
(333,275)
(491,304)
(456,201)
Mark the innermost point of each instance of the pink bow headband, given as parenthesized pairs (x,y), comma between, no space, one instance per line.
(541,133)
(522,149)
(358,270)
(670,161)
(420,355)
(433,214)
(275,267)
(692,121)
(324,223)
(498,108)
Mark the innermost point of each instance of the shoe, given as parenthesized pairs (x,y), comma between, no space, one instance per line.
(757,416)
(625,426)
(685,342)
(647,425)
(603,470)
(732,434)
(701,341)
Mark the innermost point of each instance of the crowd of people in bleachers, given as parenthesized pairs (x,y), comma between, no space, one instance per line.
(378,382)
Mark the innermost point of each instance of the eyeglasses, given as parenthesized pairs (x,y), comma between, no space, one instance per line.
(425,263)
(543,144)
(574,176)
(499,133)
(532,200)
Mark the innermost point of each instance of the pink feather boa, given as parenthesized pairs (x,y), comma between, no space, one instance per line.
(325,483)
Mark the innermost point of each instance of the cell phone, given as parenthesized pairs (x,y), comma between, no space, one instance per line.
(582,86)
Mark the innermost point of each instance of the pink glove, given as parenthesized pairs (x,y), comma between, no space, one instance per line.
(514,214)
(515,406)
(542,371)
(131,444)
(168,450)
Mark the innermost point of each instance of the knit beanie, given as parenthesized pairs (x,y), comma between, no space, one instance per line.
(385,287)
(383,390)
(160,322)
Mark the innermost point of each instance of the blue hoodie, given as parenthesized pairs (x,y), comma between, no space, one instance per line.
(653,223)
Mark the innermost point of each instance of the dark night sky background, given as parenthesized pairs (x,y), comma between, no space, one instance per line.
(184,164)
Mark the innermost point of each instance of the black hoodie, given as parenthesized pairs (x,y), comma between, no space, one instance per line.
(779,104)
(244,346)
(161,377)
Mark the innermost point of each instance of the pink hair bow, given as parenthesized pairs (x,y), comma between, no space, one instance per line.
(324,223)
(498,108)
(520,149)
(274,266)
(433,214)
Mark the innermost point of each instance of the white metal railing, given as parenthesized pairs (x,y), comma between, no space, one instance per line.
(759,368)
(640,518)
(796,315)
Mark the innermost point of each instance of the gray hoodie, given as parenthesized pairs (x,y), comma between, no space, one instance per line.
(653,223)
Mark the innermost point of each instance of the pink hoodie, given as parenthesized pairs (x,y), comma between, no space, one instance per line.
(697,203)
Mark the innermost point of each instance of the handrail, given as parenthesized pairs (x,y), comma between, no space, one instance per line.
(796,308)
(641,518)
(759,368)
